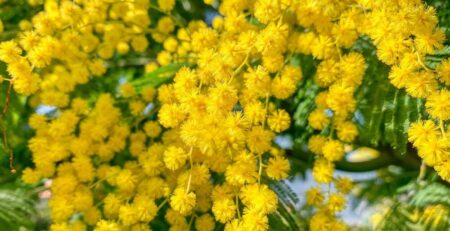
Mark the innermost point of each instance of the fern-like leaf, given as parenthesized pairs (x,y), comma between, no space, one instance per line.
(286,217)
(434,193)
(16,210)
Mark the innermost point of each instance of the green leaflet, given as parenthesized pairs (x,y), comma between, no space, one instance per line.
(443,52)
(434,193)
(386,116)
(16,210)
(304,98)
(286,194)
(402,211)
(159,76)
(401,111)
(387,112)
(371,109)
(285,218)
(432,61)
(384,113)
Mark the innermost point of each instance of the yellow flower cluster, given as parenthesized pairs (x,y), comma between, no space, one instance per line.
(404,32)
(219,118)
(203,150)
(333,27)
(66,44)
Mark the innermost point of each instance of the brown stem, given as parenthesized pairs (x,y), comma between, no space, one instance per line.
(5,138)
(383,160)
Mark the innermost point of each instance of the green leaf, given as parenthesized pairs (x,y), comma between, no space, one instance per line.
(159,76)
(16,210)
(434,193)
(285,218)
(391,124)
(384,113)
(304,99)
(390,110)
(372,106)
(305,96)
(286,194)
(432,61)
(443,52)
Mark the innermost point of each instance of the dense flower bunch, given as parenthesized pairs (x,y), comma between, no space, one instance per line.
(332,30)
(404,32)
(214,125)
(64,45)
(410,33)
(201,148)
(222,120)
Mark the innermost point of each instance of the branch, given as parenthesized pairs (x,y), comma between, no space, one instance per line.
(387,157)
(382,161)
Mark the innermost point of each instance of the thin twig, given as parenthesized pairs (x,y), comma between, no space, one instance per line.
(422,173)
(190,171)
(260,168)
(5,137)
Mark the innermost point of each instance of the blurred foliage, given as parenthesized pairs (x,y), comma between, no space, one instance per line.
(17,131)
(419,207)
(20,208)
